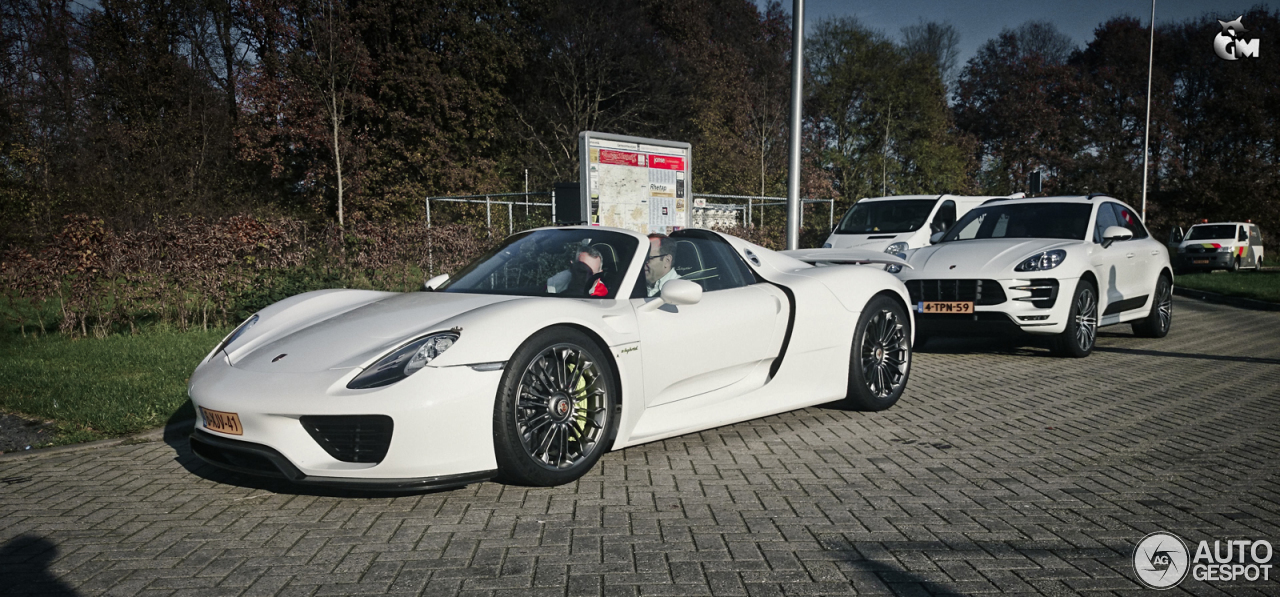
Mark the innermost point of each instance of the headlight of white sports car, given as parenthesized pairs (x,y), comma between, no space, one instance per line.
(403,361)
(899,250)
(1042,261)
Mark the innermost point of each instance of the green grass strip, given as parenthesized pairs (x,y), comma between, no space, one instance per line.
(100,388)
(1263,286)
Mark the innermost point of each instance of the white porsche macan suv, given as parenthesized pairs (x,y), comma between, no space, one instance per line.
(1056,266)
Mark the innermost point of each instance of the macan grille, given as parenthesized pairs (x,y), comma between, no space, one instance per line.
(981,292)
(351,438)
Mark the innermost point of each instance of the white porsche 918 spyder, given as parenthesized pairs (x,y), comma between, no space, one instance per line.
(544,353)
(1059,266)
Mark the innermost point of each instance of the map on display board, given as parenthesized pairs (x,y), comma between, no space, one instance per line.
(635,183)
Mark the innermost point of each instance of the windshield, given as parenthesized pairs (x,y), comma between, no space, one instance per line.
(1214,231)
(1025,220)
(570,263)
(886,217)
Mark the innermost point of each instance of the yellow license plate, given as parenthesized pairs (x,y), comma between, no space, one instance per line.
(1201,262)
(952,307)
(221,422)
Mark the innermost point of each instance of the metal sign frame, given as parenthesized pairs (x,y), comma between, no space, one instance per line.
(625,149)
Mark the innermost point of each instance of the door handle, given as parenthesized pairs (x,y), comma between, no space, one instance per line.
(1130,255)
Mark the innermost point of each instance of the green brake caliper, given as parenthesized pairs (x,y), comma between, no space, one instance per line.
(580,407)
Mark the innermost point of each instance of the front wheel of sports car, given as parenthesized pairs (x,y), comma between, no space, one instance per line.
(880,362)
(1082,324)
(555,413)
(1156,324)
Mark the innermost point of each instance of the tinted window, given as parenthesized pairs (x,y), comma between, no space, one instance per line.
(1106,219)
(1211,232)
(1129,220)
(886,217)
(1026,220)
(704,258)
(1255,236)
(550,263)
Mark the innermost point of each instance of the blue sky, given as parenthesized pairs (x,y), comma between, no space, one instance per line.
(980,21)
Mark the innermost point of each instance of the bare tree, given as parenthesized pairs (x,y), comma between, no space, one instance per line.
(939,42)
(1043,39)
(330,62)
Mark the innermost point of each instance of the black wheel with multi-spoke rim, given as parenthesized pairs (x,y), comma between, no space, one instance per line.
(1082,323)
(556,409)
(880,362)
(1157,323)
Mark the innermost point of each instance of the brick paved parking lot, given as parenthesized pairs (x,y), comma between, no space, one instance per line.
(1002,470)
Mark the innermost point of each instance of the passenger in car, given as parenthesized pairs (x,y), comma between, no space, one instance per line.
(584,275)
(659,267)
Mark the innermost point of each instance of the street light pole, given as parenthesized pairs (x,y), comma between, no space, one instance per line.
(1146,135)
(797,98)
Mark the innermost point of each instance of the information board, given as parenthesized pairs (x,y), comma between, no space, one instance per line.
(636,183)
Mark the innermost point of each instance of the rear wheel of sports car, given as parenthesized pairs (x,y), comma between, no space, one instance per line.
(1082,324)
(556,409)
(1156,324)
(880,362)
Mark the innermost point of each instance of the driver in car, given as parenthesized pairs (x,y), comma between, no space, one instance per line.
(660,267)
(585,275)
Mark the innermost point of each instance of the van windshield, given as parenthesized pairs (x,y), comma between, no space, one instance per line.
(886,217)
(1211,232)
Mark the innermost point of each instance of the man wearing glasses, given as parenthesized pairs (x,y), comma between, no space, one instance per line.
(660,267)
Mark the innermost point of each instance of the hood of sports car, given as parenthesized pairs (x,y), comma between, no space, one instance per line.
(982,258)
(347,339)
(870,242)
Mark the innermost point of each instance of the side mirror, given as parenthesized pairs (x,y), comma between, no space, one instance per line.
(681,292)
(435,282)
(936,237)
(1115,233)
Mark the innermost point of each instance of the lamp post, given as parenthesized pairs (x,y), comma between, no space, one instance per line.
(1146,135)
(797,97)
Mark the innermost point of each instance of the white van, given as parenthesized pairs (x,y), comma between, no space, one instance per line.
(1218,245)
(898,223)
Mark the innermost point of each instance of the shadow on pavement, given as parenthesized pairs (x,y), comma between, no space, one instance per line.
(176,436)
(24,567)
(1188,355)
(1012,345)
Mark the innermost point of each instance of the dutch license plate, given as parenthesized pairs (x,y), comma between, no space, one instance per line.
(221,422)
(954,307)
(1201,262)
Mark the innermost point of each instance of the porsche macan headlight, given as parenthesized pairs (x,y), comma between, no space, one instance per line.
(1042,261)
(403,361)
(244,327)
(898,250)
